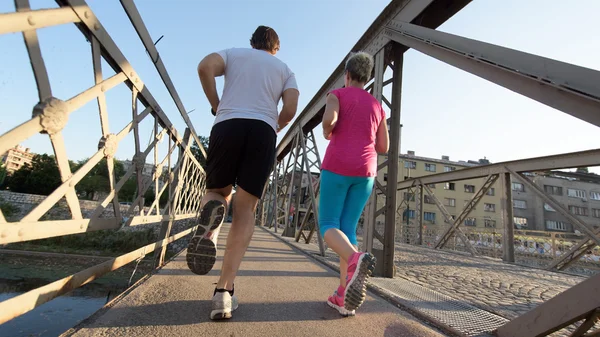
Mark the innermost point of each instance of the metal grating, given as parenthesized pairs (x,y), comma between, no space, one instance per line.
(444,309)
(439,308)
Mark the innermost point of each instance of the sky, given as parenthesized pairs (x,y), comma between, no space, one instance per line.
(445,111)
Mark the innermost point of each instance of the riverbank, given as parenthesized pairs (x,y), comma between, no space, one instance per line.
(22,271)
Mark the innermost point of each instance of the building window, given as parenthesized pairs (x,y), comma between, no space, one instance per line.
(518,187)
(385,177)
(449,168)
(519,204)
(578,210)
(520,222)
(573,193)
(451,202)
(489,223)
(469,188)
(429,216)
(431,185)
(410,212)
(428,199)
(409,196)
(548,208)
(430,167)
(449,186)
(410,164)
(595,195)
(489,207)
(554,190)
(470,222)
(596,213)
(491,191)
(556,225)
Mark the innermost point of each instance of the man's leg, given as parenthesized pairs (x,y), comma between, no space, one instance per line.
(255,166)
(202,248)
(239,237)
(226,146)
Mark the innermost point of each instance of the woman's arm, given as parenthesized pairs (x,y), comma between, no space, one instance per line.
(330,116)
(382,138)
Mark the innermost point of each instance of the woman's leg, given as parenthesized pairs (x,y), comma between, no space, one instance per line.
(356,199)
(359,265)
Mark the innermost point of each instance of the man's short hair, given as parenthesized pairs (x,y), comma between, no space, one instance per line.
(265,38)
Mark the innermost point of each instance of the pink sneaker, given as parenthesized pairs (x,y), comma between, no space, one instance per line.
(336,301)
(360,267)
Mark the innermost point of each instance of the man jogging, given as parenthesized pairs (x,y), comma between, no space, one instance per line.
(241,152)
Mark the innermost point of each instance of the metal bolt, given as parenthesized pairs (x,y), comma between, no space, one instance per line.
(96,26)
(86,14)
(30,20)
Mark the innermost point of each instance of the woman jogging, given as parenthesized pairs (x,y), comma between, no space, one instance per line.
(355,124)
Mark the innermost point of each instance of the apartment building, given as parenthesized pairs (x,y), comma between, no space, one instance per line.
(454,195)
(16,157)
(579,193)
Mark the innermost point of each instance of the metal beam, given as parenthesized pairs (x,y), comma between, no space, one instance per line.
(584,227)
(429,13)
(554,162)
(465,212)
(448,218)
(506,207)
(569,88)
(565,259)
(144,35)
(566,308)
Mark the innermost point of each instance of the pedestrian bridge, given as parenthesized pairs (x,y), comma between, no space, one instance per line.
(444,278)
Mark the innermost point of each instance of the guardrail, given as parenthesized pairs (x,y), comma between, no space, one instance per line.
(177,174)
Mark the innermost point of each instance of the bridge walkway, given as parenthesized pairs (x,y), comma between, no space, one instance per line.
(282,292)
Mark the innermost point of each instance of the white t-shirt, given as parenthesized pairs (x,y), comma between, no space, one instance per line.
(254,83)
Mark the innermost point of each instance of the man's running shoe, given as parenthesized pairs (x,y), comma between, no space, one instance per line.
(202,248)
(224,302)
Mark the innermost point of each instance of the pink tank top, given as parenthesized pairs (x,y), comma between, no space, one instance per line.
(351,150)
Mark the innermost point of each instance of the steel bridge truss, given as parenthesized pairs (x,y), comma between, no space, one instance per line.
(571,89)
(178,174)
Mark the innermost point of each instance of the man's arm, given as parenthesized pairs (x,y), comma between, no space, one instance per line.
(290,105)
(210,67)
(331,115)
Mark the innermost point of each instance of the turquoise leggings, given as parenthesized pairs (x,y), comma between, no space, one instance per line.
(341,202)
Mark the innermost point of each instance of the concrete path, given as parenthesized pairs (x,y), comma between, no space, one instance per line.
(282,292)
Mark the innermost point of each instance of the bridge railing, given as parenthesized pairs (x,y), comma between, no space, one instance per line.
(175,173)
(571,89)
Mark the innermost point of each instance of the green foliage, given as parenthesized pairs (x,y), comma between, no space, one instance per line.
(107,242)
(197,153)
(7,208)
(39,177)
(582,170)
(3,174)
(97,180)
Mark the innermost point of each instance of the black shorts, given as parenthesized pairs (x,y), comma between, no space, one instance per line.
(240,152)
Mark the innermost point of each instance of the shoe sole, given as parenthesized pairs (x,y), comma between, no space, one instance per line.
(343,311)
(221,314)
(202,251)
(356,289)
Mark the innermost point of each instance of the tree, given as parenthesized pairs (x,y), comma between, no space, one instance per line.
(197,153)
(3,173)
(582,170)
(97,180)
(39,177)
